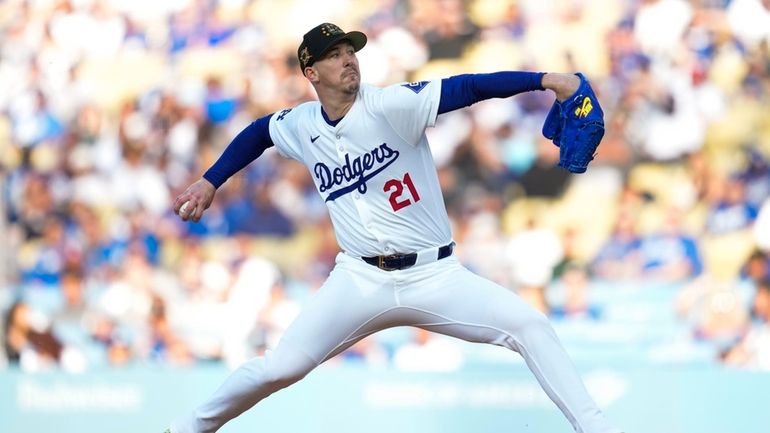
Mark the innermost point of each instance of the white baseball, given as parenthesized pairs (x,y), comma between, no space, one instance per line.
(183,209)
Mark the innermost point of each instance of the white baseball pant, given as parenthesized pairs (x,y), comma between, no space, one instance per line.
(359,299)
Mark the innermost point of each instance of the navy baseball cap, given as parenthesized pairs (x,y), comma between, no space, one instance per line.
(322,37)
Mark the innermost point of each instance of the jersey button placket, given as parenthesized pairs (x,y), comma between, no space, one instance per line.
(340,147)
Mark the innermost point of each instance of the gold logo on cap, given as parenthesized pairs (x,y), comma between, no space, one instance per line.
(330,30)
(305,57)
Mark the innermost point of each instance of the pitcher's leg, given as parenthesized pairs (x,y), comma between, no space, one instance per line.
(343,310)
(475,309)
(253,381)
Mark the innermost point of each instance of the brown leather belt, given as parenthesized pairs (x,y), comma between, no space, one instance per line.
(396,262)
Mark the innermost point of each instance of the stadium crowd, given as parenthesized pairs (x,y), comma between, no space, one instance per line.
(108,108)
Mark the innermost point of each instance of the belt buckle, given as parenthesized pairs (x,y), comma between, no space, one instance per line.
(381,262)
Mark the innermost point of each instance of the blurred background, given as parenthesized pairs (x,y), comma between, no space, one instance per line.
(653,265)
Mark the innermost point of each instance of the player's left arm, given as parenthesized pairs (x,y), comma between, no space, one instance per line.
(412,107)
(464,90)
(575,122)
(461,91)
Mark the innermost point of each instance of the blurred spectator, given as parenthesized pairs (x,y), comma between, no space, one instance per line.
(753,350)
(750,20)
(756,178)
(29,341)
(428,352)
(34,122)
(112,343)
(715,308)
(660,25)
(729,210)
(165,345)
(483,245)
(220,107)
(756,268)
(51,256)
(127,296)
(761,229)
(571,258)
(666,124)
(447,29)
(533,255)
(544,178)
(570,297)
(137,183)
(670,255)
(276,316)
(71,316)
(250,295)
(254,213)
(36,205)
(620,257)
(569,293)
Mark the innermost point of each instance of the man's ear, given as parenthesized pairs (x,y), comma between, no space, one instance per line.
(311,74)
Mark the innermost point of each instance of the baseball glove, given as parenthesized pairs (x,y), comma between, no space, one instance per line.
(576,126)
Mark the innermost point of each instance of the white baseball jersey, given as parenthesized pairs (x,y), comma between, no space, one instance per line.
(374,168)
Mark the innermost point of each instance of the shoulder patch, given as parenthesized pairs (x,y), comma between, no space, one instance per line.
(416,86)
(283,114)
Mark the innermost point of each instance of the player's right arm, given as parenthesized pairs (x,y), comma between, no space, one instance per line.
(247,146)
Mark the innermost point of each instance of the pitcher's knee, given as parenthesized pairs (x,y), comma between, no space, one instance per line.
(278,377)
(539,319)
(535,323)
(287,368)
(527,320)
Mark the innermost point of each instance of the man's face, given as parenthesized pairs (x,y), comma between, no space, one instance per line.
(338,68)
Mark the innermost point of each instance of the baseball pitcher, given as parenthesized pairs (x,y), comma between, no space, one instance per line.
(366,150)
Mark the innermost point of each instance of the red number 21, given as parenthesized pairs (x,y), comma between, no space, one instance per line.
(396,188)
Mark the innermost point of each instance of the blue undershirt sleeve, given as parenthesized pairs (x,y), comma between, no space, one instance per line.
(245,148)
(463,90)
